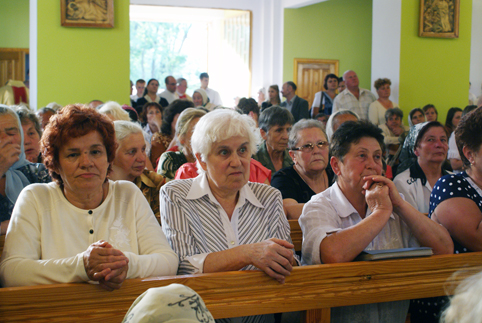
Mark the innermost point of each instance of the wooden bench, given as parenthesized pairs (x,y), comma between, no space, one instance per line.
(313,289)
(296,234)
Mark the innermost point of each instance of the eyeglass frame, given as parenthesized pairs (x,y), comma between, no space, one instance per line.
(311,146)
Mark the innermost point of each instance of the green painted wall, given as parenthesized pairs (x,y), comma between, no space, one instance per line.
(340,29)
(82,64)
(434,70)
(14,23)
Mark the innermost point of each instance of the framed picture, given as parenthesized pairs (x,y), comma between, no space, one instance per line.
(439,18)
(87,13)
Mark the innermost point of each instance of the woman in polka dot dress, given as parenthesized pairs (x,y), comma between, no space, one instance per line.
(456,203)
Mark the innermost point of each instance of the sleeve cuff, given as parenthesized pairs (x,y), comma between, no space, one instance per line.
(197,261)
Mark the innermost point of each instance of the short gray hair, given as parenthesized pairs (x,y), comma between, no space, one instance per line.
(301,125)
(124,129)
(329,123)
(26,115)
(5,109)
(222,124)
(114,109)
(275,116)
(393,111)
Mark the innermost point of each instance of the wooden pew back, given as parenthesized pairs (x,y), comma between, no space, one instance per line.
(309,288)
(296,234)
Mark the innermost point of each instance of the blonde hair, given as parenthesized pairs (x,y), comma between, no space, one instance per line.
(185,119)
(115,110)
(465,305)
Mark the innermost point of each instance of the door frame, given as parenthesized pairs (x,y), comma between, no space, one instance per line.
(298,61)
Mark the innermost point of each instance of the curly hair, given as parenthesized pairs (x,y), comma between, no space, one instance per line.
(74,121)
(466,133)
(381,82)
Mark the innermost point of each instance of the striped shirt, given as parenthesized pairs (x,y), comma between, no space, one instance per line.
(195,224)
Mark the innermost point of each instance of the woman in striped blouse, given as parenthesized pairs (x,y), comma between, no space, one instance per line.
(219,221)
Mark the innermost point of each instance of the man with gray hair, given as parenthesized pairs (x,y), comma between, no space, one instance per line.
(181,89)
(353,97)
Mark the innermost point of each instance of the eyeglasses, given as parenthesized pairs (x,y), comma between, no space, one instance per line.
(309,147)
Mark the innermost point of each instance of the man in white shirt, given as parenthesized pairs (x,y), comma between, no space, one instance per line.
(353,97)
(213,96)
(170,93)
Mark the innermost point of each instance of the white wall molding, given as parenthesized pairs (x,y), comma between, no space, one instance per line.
(476,49)
(386,29)
(33,54)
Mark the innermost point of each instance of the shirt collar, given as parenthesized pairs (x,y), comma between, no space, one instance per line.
(417,172)
(342,206)
(200,187)
(144,179)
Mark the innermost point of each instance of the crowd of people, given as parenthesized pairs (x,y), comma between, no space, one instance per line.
(82,186)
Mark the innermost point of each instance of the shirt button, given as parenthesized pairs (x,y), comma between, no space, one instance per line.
(90,212)
(232,242)
(91,231)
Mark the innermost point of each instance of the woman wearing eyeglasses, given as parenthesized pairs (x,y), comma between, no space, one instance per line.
(310,174)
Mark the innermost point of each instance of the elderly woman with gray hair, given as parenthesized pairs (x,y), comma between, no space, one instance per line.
(310,174)
(219,221)
(130,163)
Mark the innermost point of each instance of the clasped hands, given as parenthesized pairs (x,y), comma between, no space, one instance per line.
(106,265)
(381,193)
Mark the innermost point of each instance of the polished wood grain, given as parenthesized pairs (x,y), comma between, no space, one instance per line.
(296,234)
(233,294)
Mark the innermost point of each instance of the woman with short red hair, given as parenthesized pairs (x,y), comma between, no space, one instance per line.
(82,227)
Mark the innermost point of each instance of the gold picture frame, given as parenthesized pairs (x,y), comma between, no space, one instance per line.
(439,18)
(87,13)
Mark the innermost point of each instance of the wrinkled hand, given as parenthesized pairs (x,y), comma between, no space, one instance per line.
(102,262)
(273,256)
(378,198)
(9,154)
(395,196)
(114,279)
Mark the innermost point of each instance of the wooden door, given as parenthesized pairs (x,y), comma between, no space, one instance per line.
(309,76)
(12,64)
